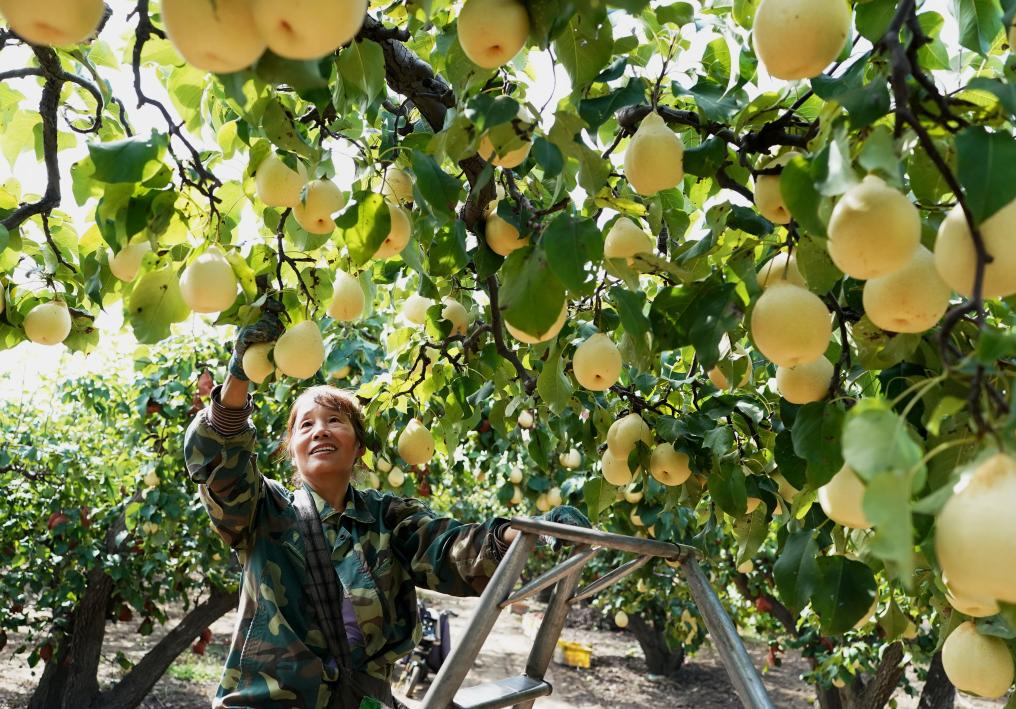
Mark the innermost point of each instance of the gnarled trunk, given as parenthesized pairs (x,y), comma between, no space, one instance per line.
(660,659)
(938,692)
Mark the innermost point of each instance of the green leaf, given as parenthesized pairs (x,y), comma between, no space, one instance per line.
(750,531)
(727,489)
(439,190)
(531,295)
(548,156)
(816,266)
(801,197)
(554,387)
(584,48)
(598,495)
(887,506)
(130,160)
(595,111)
(706,158)
(790,465)
(980,22)
(699,315)
(364,225)
(574,248)
(305,77)
(816,436)
(447,253)
(675,13)
(843,593)
(986,168)
(872,18)
(548,18)
(156,303)
(362,64)
(1004,91)
(864,100)
(876,440)
(796,571)
(281,130)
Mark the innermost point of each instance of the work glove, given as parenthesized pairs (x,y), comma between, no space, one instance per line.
(268,328)
(562,514)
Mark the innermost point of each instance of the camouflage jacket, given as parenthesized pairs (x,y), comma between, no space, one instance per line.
(383,546)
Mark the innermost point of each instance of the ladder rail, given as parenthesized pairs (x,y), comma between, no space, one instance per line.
(610,578)
(578,558)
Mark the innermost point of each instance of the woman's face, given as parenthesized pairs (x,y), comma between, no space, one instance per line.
(323,441)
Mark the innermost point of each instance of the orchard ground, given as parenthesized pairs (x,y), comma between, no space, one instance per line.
(617,677)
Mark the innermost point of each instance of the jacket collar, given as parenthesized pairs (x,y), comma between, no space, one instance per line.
(356,506)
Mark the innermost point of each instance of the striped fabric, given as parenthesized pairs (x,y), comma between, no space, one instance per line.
(226,421)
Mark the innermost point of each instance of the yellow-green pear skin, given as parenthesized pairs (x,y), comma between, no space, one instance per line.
(841,499)
(256,364)
(127,261)
(597,363)
(318,202)
(626,240)
(535,338)
(781,268)
(874,230)
(790,325)
(414,309)
(956,259)
(769,199)
(398,185)
(977,664)
(625,432)
(300,351)
(308,29)
(512,158)
(969,605)
(911,299)
(975,532)
(347,297)
(797,39)
(615,468)
(455,313)
(501,236)
(654,159)
(398,234)
(215,36)
(53,23)
(48,323)
(416,444)
(668,465)
(806,382)
(278,185)
(491,32)
(208,284)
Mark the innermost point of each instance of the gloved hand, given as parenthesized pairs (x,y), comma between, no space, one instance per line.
(562,514)
(268,328)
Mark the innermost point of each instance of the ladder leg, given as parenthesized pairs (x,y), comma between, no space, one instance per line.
(743,675)
(457,665)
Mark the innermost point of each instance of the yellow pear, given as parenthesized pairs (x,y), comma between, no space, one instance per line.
(719,379)
(570,460)
(319,201)
(456,314)
(625,432)
(841,499)
(55,23)
(633,496)
(874,230)
(625,239)
(208,284)
(615,468)
(256,364)
(276,184)
(300,351)
(541,502)
(512,158)
(516,496)
(219,36)
(548,334)
(753,503)
(806,382)
(790,325)
(383,465)
(955,257)
(416,444)
(636,519)
(621,619)
(597,363)
(797,39)
(669,465)
(347,297)
(970,605)
(781,268)
(491,32)
(48,323)
(308,29)
(127,261)
(746,566)
(654,159)
(515,476)
(396,478)
(911,299)
(414,308)
(554,496)
(502,237)
(977,664)
(398,234)
(975,533)
(526,419)
(398,185)
(769,199)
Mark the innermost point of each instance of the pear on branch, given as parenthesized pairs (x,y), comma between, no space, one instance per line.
(208,284)
(300,351)
(550,333)
(769,199)
(48,323)
(256,364)
(669,465)
(127,261)
(654,159)
(956,259)
(804,383)
(790,325)
(797,39)
(347,297)
(501,235)
(398,234)
(597,363)
(615,468)
(491,32)
(398,185)
(911,299)
(220,37)
(319,201)
(841,499)
(510,158)
(455,313)
(308,29)
(278,185)
(977,664)
(626,240)
(54,23)
(416,444)
(414,308)
(625,432)
(781,268)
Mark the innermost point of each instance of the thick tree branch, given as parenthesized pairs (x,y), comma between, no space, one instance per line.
(497,328)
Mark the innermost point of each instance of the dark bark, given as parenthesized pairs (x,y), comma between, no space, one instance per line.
(938,692)
(660,659)
(880,689)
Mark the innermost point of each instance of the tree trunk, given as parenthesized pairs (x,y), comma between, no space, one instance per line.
(660,659)
(938,692)
(880,689)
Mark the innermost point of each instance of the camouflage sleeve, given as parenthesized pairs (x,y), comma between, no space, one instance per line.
(226,472)
(441,553)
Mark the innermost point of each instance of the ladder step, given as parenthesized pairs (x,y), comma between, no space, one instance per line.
(503,693)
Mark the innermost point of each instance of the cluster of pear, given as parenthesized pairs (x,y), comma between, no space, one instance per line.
(230,35)
(667,464)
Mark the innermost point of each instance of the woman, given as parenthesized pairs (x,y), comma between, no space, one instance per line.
(326,549)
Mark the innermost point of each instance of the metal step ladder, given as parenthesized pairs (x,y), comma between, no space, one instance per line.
(522,691)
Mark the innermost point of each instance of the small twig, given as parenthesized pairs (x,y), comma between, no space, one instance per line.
(497,329)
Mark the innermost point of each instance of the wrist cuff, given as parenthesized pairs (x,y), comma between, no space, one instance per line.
(227,421)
